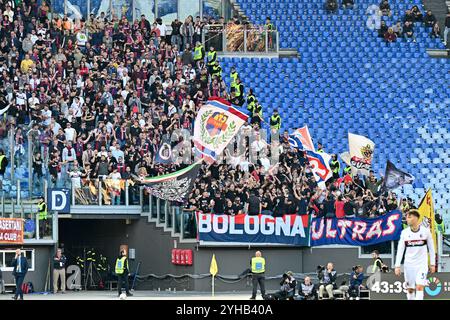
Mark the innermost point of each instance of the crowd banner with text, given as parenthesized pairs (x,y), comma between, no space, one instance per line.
(11,231)
(215,229)
(356,231)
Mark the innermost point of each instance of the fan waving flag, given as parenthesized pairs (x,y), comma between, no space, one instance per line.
(320,163)
(361,152)
(174,186)
(164,154)
(395,178)
(216,124)
(301,139)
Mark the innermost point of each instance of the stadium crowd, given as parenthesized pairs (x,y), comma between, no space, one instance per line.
(97,98)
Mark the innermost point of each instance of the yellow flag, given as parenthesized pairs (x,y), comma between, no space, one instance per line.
(213,268)
(426,210)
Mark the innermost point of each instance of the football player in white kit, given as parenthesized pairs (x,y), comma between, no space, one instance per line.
(418,242)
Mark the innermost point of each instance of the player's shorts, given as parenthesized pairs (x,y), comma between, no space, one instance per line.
(416,275)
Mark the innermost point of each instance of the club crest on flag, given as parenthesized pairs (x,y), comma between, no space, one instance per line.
(216,123)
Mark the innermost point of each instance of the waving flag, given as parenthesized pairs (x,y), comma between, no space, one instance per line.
(426,210)
(164,154)
(361,152)
(174,186)
(320,163)
(301,139)
(216,124)
(395,178)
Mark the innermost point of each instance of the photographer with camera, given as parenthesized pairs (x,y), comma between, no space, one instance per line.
(327,278)
(378,263)
(356,279)
(307,290)
(288,285)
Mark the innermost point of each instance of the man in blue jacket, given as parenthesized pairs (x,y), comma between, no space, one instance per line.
(356,279)
(20,268)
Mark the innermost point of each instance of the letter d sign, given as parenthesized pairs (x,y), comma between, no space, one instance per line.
(59,200)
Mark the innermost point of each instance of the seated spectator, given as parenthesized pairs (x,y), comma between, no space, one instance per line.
(327,278)
(383,29)
(331,6)
(408,16)
(417,15)
(429,20)
(356,279)
(436,31)
(385,8)
(307,290)
(390,36)
(348,4)
(288,285)
(397,28)
(408,32)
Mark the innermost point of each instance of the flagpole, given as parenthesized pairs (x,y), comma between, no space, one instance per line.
(213,285)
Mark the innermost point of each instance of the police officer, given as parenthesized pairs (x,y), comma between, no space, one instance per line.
(251,101)
(211,59)
(238,92)
(275,120)
(122,270)
(335,166)
(199,54)
(258,264)
(43,217)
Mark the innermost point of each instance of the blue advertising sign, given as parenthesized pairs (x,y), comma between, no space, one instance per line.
(214,229)
(356,231)
(58,200)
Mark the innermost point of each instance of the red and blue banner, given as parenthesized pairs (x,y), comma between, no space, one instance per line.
(214,229)
(356,231)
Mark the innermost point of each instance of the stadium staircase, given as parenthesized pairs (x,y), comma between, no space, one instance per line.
(348,79)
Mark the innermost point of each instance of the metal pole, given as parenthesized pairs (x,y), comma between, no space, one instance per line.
(18,191)
(110,10)
(88,9)
(3,205)
(267,40)
(127,196)
(37,226)
(73,193)
(156,9)
(65,6)
(30,165)
(245,39)
(100,195)
(133,7)
(12,153)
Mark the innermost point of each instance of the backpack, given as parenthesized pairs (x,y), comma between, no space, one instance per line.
(27,287)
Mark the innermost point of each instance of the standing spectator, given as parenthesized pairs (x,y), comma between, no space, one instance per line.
(253,205)
(20,269)
(175,39)
(339,206)
(198,29)
(3,164)
(327,278)
(429,20)
(447,27)
(59,271)
(187,32)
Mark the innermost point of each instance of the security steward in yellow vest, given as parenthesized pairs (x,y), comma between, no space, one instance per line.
(258,264)
(43,217)
(439,224)
(238,90)
(199,54)
(251,101)
(335,166)
(275,121)
(211,59)
(234,76)
(122,271)
(320,148)
(348,170)
(216,70)
(3,163)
